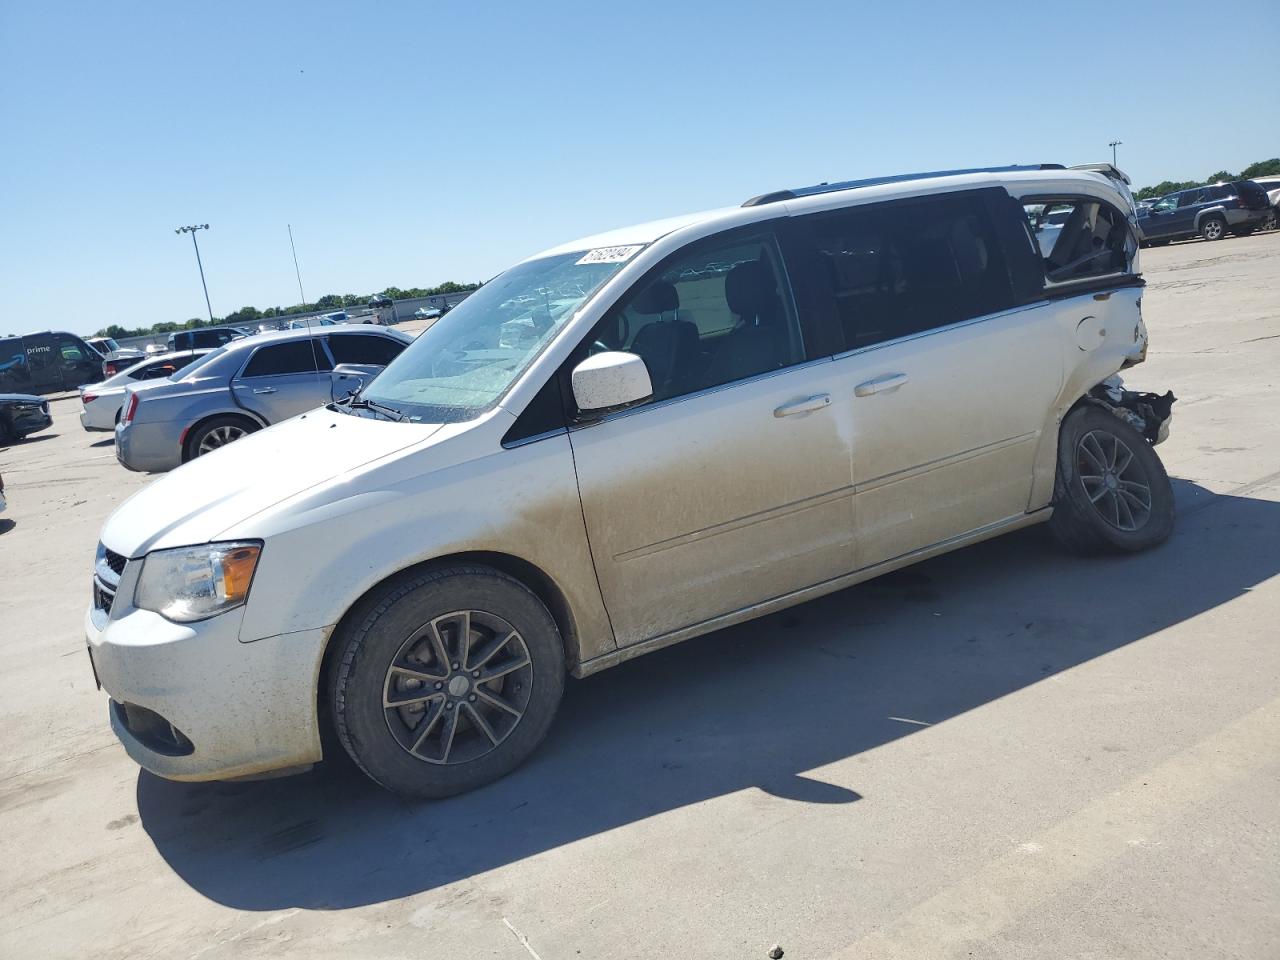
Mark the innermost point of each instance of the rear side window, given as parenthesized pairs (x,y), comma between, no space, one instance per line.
(902,268)
(363,348)
(1080,239)
(296,356)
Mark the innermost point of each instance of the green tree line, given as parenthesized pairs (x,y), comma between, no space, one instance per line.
(1263,168)
(330,301)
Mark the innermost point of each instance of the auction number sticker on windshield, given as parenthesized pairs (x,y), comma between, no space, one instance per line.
(611,254)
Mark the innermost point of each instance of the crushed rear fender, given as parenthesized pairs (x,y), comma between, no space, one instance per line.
(1148,413)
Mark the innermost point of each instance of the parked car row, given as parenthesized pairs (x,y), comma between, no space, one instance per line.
(1239,208)
(243,386)
(101,402)
(617,444)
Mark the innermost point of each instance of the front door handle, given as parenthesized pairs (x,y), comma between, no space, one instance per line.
(807,405)
(265,390)
(883,384)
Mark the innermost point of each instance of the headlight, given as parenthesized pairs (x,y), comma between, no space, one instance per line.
(195,583)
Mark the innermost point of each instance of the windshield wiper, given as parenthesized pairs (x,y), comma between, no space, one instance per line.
(356,402)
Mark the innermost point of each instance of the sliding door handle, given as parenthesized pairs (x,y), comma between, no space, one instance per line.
(882,384)
(807,405)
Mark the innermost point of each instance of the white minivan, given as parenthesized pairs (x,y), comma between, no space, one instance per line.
(624,442)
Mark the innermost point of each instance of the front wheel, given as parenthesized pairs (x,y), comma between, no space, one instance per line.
(445,680)
(1111,494)
(1213,228)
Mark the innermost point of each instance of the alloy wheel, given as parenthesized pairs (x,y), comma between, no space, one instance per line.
(1114,480)
(1213,230)
(220,437)
(457,687)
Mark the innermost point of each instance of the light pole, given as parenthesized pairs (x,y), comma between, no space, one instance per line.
(192,230)
(1113,144)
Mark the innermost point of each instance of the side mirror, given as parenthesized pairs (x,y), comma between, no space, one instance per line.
(351,377)
(610,381)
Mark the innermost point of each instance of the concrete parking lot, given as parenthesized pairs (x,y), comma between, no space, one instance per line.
(1004,752)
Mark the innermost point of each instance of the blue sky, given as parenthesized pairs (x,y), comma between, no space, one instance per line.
(412,143)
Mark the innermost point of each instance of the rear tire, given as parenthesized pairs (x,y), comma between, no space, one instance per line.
(408,694)
(215,433)
(1111,493)
(1213,228)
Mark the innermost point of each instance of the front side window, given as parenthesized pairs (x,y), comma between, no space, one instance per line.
(71,351)
(1080,239)
(296,356)
(364,348)
(720,312)
(462,364)
(902,268)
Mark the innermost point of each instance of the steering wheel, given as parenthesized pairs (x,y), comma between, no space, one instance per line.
(599,346)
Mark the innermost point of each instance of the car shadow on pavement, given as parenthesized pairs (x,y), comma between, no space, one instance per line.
(6,524)
(109,442)
(750,707)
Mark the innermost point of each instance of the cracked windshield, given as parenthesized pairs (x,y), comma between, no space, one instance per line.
(464,363)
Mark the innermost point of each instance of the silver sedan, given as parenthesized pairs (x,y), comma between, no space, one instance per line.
(245,386)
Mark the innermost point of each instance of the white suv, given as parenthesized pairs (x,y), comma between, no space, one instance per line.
(703,420)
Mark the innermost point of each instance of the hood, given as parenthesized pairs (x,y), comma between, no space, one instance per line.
(200,499)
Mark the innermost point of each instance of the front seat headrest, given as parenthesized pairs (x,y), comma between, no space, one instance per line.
(748,289)
(659,297)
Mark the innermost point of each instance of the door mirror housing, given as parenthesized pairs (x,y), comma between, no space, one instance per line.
(348,378)
(610,381)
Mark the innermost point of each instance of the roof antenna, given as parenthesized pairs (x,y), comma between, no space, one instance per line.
(315,359)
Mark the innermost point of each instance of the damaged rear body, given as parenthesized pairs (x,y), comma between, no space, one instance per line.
(1148,413)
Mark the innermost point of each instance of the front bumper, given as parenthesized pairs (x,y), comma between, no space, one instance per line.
(229,709)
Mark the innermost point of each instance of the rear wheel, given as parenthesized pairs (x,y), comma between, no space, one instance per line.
(1111,494)
(216,433)
(1213,228)
(446,680)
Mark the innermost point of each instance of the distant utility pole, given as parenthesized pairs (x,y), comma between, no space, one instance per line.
(295,267)
(192,230)
(1113,144)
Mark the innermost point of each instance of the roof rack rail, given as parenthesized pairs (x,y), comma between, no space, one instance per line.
(820,188)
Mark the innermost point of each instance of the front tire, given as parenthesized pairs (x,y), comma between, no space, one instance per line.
(445,680)
(1111,493)
(1213,228)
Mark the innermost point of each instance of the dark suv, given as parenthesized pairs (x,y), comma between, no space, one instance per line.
(1239,207)
(201,338)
